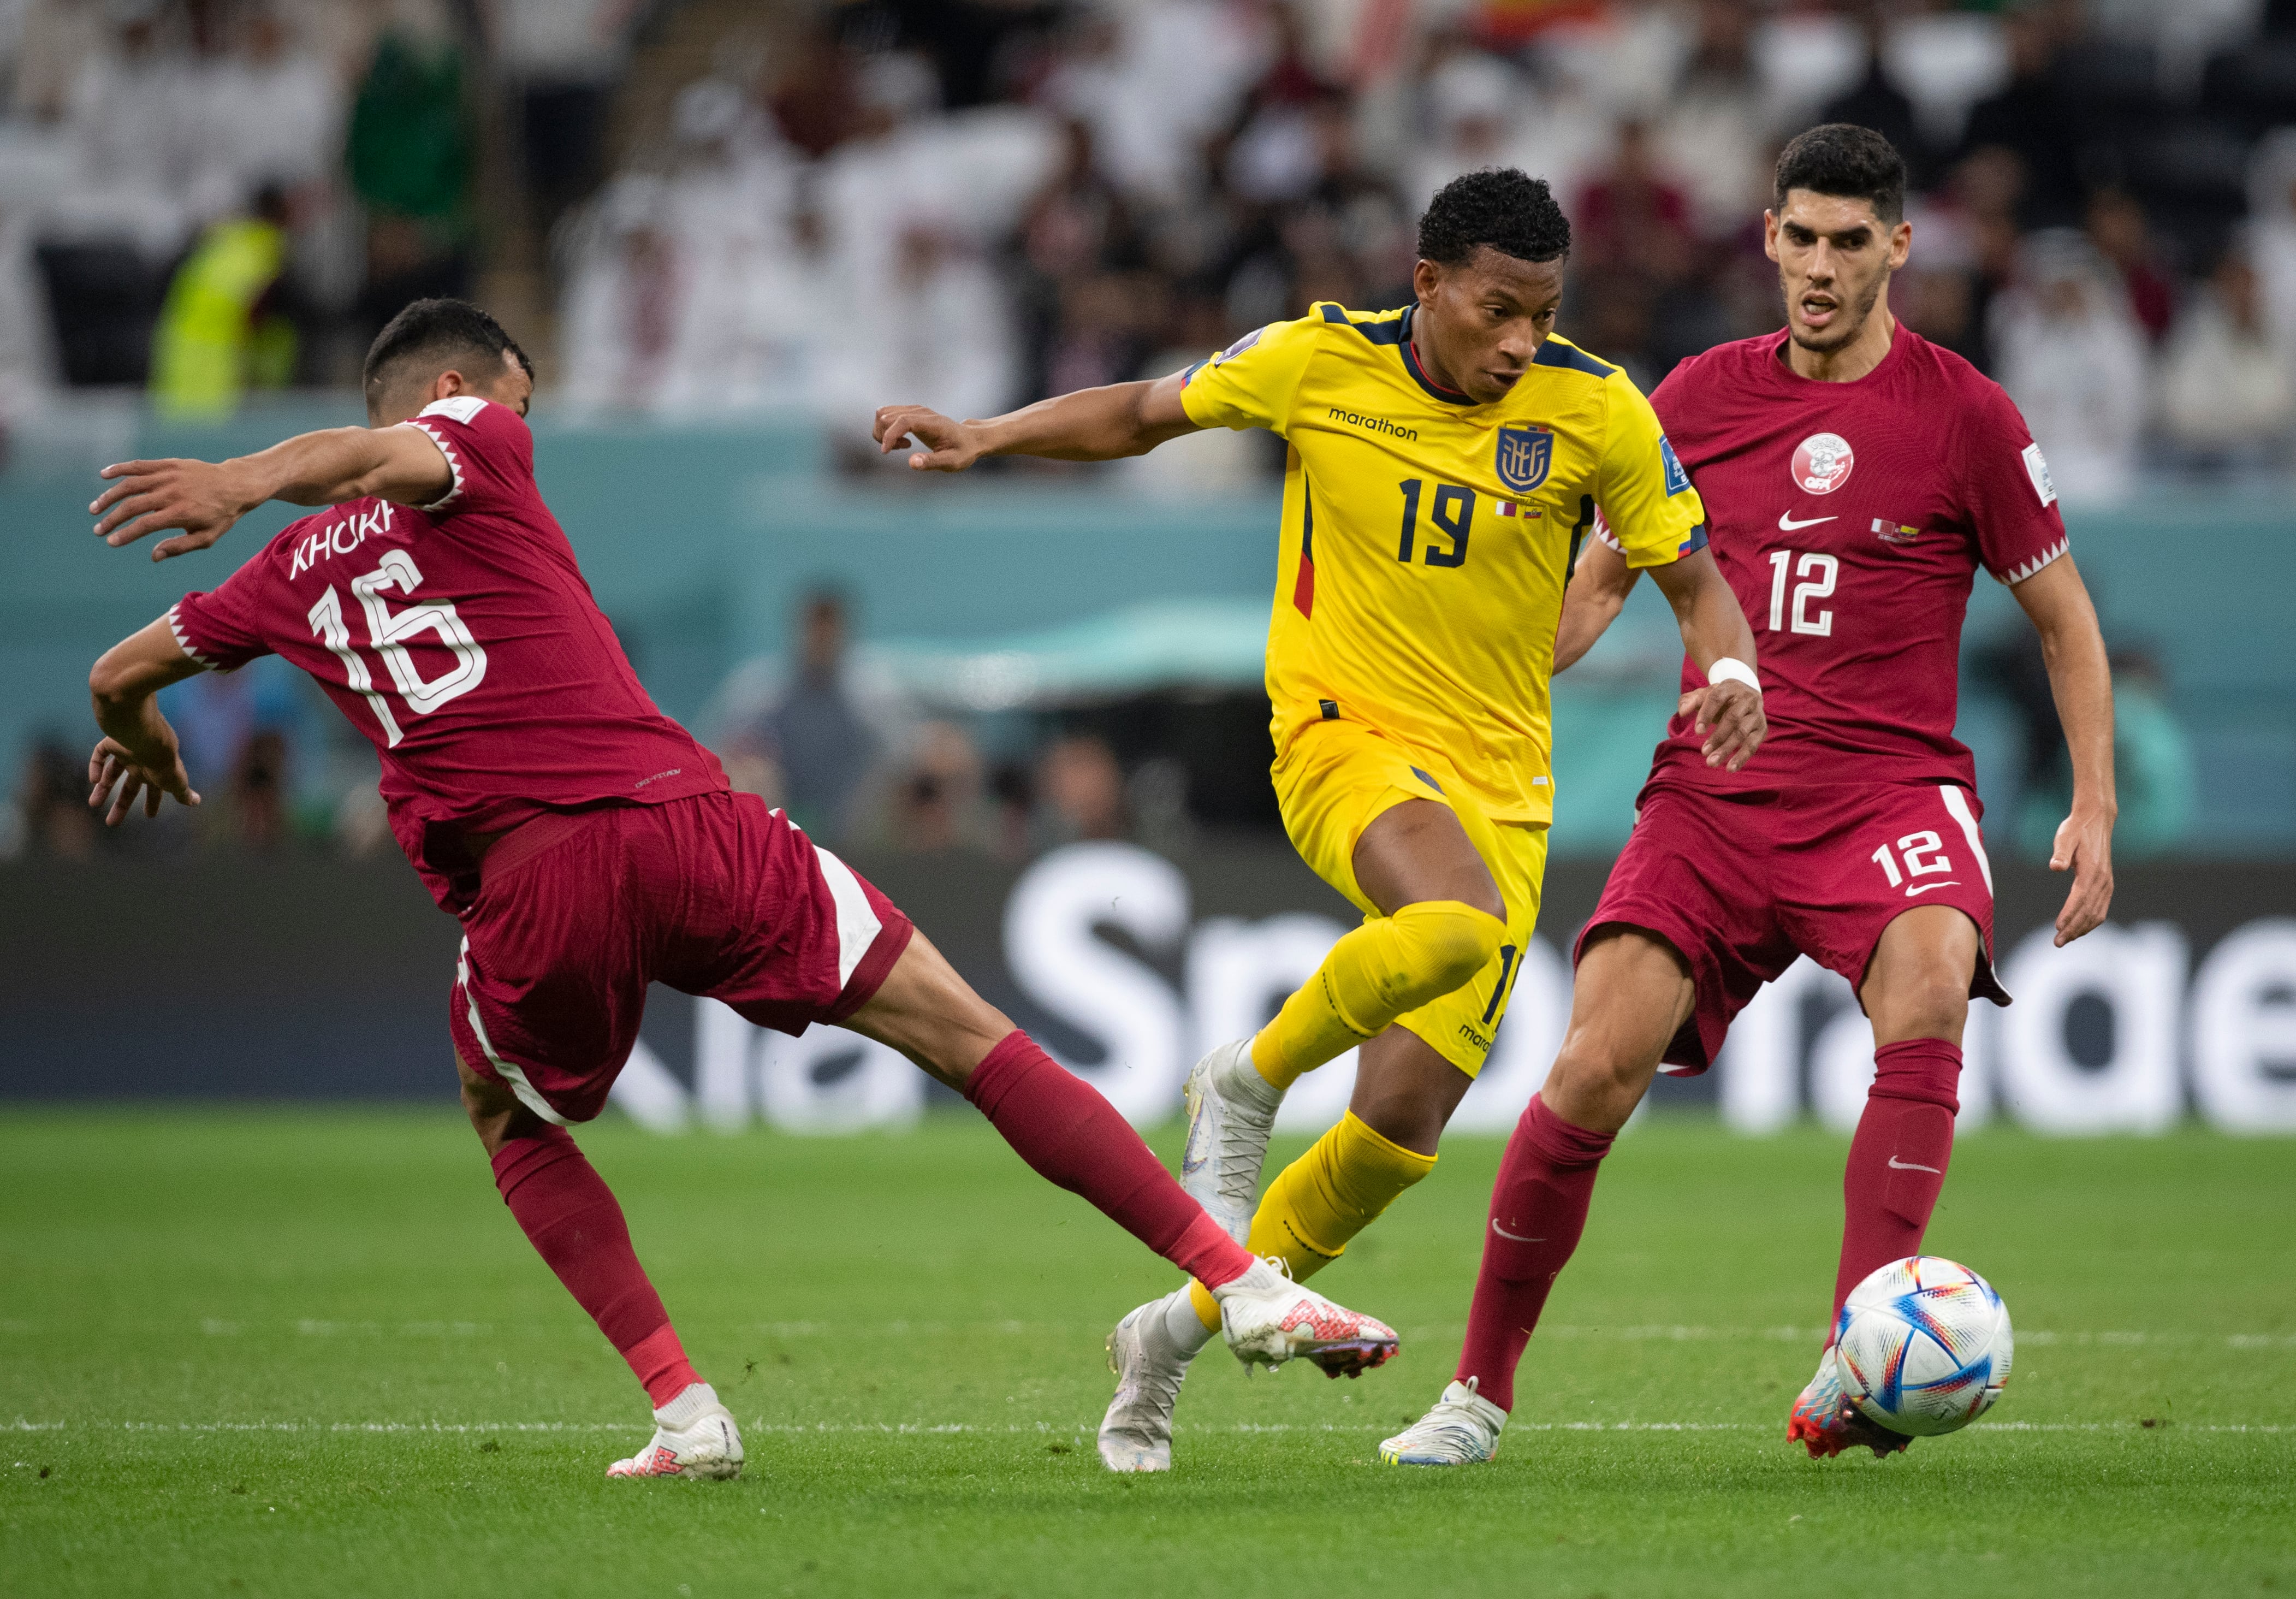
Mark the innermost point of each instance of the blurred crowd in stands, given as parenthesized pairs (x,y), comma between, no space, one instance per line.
(974,203)
(981,201)
(696,207)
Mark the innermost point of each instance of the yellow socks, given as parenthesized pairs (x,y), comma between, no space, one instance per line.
(1382,970)
(1323,1199)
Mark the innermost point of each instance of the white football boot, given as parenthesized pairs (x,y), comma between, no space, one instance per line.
(693,1436)
(1463,1428)
(1825,1422)
(1269,1319)
(1135,1435)
(1231,1111)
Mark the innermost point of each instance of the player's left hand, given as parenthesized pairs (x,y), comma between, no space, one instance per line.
(1730,715)
(198,496)
(153,775)
(2084,847)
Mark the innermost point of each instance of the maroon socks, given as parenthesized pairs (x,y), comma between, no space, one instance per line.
(1538,1209)
(1897,1159)
(1897,1167)
(571,1218)
(1074,1138)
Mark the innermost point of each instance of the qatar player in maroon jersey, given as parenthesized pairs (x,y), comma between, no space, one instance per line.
(588,845)
(1858,476)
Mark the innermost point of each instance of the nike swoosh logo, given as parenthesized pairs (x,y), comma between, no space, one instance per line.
(1786,523)
(1518,1237)
(1897,1165)
(1924,887)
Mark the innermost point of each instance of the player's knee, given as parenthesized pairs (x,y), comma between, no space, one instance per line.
(1451,942)
(1594,1088)
(1930,1003)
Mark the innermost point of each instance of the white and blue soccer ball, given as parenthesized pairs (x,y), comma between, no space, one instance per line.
(1922,1345)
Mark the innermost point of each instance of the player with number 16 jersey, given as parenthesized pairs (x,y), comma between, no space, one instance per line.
(588,844)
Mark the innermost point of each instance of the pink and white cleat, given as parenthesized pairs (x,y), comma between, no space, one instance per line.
(1269,1319)
(693,1436)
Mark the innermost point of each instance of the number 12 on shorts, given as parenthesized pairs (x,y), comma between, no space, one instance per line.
(389,633)
(1923,854)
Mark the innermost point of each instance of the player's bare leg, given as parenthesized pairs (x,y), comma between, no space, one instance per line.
(1633,993)
(1072,1137)
(1916,993)
(574,1223)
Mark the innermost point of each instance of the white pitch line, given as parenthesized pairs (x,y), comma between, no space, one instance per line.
(929,1428)
(1641,1333)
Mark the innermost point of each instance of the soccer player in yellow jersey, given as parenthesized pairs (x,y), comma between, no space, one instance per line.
(1445,461)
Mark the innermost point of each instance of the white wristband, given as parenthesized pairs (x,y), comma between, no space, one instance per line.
(1731,669)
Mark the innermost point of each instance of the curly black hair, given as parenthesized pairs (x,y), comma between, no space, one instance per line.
(1500,206)
(441,332)
(1849,162)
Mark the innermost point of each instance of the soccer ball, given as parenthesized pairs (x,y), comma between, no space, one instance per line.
(1922,1345)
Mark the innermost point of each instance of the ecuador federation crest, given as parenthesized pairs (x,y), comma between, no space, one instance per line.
(1524,456)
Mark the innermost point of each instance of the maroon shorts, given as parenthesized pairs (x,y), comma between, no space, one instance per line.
(577,910)
(1743,883)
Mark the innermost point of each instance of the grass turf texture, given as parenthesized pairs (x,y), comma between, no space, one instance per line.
(204,1315)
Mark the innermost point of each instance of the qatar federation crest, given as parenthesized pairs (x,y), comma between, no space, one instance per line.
(1822,463)
(1524,456)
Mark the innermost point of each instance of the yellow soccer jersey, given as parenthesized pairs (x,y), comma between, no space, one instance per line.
(1427,539)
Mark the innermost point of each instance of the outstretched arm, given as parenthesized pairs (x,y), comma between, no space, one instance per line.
(1713,628)
(1091,424)
(138,753)
(1599,587)
(403,464)
(2057,601)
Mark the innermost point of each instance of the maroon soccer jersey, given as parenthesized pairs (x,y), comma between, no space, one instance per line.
(1850,520)
(461,639)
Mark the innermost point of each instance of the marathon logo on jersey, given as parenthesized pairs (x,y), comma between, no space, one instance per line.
(1822,463)
(1897,533)
(339,538)
(1524,456)
(1676,479)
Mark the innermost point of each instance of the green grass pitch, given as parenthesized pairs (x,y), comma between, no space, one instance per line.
(298,1353)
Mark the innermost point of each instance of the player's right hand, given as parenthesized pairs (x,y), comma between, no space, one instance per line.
(948,446)
(198,496)
(1729,716)
(152,777)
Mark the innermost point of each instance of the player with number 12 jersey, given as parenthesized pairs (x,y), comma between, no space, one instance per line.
(1857,478)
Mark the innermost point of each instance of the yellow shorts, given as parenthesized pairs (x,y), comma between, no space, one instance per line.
(1332,781)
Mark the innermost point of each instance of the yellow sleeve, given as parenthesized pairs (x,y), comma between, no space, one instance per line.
(1651,514)
(1251,382)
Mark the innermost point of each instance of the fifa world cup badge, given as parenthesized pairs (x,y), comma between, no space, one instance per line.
(1524,456)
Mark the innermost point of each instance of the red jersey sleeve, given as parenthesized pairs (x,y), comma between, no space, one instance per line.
(2005,489)
(488,449)
(223,631)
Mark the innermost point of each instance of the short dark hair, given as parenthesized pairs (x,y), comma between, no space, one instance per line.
(443,332)
(1848,161)
(1500,206)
